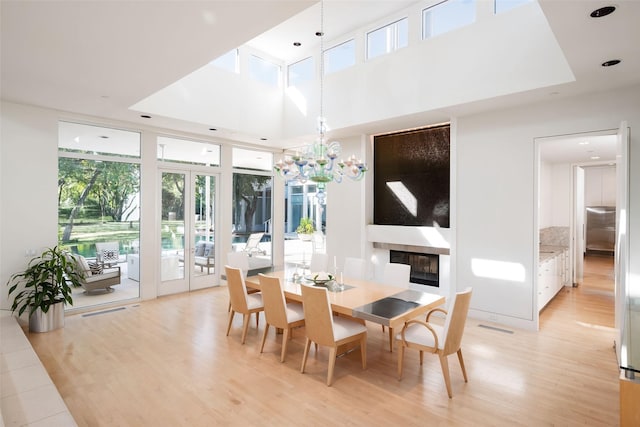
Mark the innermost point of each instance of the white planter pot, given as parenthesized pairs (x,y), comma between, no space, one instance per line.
(305,237)
(49,321)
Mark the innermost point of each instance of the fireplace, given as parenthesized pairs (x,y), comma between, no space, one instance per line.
(424,267)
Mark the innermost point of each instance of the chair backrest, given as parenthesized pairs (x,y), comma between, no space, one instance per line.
(397,275)
(237,289)
(354,268)
(239,260)
(317,315)
(252,241)
(454,323)
(274,302)
(108,252)
(317,239)
(319,262)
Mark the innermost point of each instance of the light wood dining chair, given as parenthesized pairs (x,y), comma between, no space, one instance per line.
(319,262)
(398,275)
(240,260)
(278,312)
(241,302)
(441,340)
(354,268)
(325,330)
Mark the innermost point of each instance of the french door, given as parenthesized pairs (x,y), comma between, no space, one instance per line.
(188,256)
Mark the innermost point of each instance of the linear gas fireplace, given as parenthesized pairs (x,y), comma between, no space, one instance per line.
(424,267)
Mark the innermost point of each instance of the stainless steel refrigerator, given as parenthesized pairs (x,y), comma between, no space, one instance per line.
(601,228)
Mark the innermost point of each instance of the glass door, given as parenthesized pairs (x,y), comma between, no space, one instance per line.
(187,232)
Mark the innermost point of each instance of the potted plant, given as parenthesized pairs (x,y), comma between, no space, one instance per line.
(45,287)
(305,229)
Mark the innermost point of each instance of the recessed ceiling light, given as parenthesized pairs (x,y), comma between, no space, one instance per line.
(603,11)
(213,129)
(297,44)
(145,116)
(595,157)
(263,139)
(611,62)
(103,137)
(319,33)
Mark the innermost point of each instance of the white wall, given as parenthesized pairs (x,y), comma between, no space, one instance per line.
(545,195)
(28,177)
(561,195)
(496,207)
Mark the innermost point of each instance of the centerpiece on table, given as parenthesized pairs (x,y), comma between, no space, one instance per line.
(321,278)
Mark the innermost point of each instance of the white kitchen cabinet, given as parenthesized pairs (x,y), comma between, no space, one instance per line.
(600,186)
(553,275)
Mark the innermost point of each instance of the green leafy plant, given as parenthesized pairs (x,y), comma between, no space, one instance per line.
(47,280)
(305,226)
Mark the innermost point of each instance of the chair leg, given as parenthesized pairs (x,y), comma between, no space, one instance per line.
(400,360)
(464,371)
(307,345)
(390,339)
(245,326)
(231,313)
(421,357)
(333,353)
(264,337)
(363,351)
(445,372)
(285,341)
(257,319)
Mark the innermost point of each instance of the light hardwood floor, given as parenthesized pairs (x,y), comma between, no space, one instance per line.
(168,362)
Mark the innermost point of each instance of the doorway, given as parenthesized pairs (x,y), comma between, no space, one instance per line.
(570,180)
(188,255)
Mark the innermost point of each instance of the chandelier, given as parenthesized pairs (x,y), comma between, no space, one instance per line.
(320,161)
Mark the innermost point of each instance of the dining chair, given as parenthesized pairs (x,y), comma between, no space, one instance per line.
(278,312)
(324,329)
(398,275)
(319,262)
(240,260)
(433,338)
(241,301)
(354,268)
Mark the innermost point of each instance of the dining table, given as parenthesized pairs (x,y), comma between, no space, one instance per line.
(384,304)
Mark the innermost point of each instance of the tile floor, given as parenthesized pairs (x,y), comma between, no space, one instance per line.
(28,396)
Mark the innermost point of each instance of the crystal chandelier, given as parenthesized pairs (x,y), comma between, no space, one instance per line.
(318,162)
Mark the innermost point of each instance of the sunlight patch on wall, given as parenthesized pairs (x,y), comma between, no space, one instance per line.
(500,270)
(298,99)
(405,197)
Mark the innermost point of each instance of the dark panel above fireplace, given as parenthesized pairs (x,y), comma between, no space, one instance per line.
(411,178)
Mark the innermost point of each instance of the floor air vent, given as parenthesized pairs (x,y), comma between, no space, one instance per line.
(493,328)
(95,313)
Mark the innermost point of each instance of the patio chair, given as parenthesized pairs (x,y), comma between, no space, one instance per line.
(251,246)
(96,276)
(108,253)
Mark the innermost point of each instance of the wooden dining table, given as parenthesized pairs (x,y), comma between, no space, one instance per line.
(363,299)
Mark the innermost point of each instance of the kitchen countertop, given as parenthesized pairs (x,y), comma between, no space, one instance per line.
(550,251)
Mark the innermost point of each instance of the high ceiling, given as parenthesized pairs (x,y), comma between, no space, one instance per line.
(99,58)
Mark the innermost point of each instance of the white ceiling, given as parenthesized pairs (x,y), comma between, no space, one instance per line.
(98,58)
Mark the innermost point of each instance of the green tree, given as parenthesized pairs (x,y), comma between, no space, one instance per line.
(109,185)
(115,188)
(247,190)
